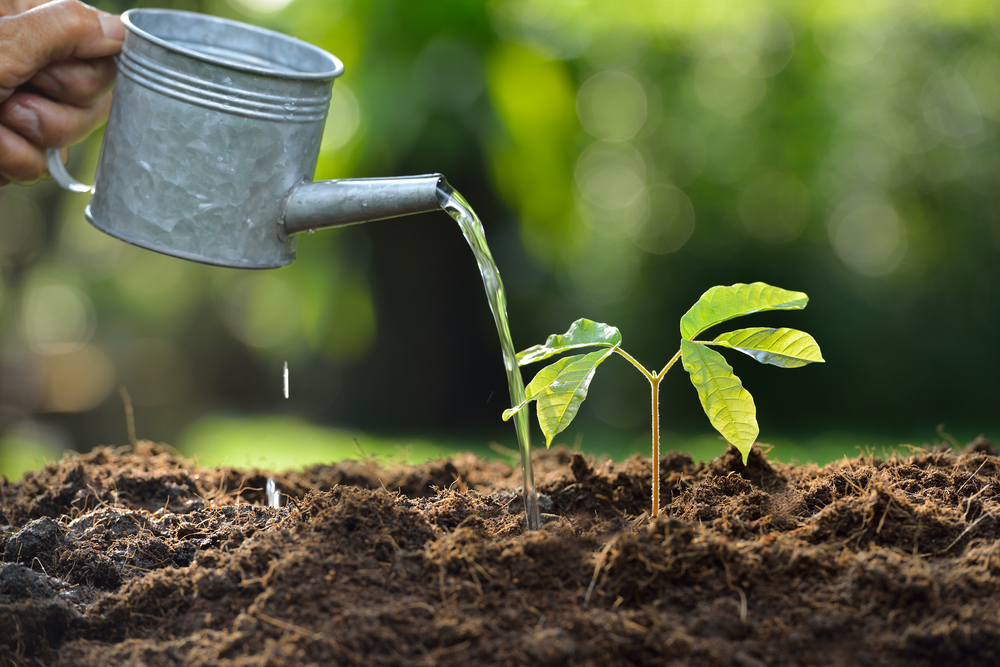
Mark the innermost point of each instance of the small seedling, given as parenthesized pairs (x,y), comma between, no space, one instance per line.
(560,388)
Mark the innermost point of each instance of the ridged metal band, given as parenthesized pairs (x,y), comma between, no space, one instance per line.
(219,97)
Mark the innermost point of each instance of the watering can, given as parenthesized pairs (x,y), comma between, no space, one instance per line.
(212,141)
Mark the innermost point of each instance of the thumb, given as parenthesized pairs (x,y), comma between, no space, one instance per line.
(51,32)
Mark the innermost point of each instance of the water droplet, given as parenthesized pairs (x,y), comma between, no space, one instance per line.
(273,494)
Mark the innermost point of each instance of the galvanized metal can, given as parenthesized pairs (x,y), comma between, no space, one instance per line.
(214,126)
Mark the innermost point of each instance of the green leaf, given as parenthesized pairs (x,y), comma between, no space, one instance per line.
(788,348)
(541,382)
(720,303)
(727,404)
(582,333)
(560,389)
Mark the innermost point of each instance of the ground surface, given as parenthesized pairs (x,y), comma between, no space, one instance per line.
(141,558)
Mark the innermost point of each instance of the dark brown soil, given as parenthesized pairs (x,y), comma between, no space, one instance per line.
(142,558)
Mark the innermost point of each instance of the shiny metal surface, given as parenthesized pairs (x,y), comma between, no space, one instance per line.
(214,126)
(57,170)
(354,200)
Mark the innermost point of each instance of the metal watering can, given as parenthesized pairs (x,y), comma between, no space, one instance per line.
(212,141)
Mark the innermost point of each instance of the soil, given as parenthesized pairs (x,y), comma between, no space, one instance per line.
(139,557)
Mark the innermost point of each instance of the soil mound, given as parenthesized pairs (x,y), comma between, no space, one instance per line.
(139,557)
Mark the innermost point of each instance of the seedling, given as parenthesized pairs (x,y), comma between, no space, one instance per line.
(560,388)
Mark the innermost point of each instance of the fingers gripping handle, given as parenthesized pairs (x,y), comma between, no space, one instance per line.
(59,174)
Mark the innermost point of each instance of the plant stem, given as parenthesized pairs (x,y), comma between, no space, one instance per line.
(654,384)
(631,359)
(670,363)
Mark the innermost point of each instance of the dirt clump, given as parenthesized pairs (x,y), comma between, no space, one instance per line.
(141,557)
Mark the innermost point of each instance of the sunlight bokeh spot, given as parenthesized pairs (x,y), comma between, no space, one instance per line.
(950,106)
(668,221)
(900,121)
(724,89)
(611,105)
(981,68)
(58,318)
(868,236)
(264,311)
(610,176)
(78,380)
(343,119)
(877,162)
(760,46)
(260,7)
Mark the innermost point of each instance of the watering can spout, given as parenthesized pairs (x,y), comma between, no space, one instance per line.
(317,205)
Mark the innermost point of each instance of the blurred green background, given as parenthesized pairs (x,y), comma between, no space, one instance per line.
(624,157)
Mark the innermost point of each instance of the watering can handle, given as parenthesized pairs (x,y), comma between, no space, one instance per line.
(57,170)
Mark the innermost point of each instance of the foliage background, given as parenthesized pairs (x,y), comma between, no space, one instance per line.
(624,157)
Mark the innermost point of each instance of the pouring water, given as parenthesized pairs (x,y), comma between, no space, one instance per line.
(455,205)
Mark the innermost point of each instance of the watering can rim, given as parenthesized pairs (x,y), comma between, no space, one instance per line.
(336,64)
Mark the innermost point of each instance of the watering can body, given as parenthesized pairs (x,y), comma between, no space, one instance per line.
(212,141)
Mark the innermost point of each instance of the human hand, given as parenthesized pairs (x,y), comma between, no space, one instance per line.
(56,67)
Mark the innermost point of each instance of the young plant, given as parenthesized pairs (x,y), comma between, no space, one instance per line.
(560,388)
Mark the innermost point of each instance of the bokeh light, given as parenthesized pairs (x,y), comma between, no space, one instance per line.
(343,119)
(666,221)
(58,318)
(260,7)
(263,310)
(78,379)
(610,176)
(611,105)
(868,235)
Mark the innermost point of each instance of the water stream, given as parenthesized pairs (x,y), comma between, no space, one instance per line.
(456,206)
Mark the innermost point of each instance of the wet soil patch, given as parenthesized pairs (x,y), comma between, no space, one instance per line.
(140,557)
